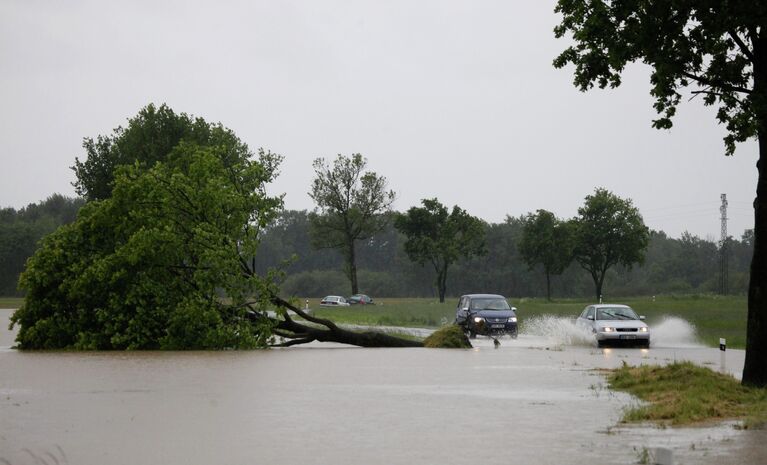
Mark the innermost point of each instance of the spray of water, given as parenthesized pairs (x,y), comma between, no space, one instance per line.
(671,332)
(557,330)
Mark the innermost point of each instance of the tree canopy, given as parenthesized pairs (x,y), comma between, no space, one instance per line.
(608,231)
(148,138)
(717,48)
(352,205)
(150,266)
(440,238)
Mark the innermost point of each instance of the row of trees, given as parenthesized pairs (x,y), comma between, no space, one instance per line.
(688,264)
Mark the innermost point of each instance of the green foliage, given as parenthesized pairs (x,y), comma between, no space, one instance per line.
(448,337)
(685,265)
(548,241)
(316,283)
(150,137)
(710,44)
(440,238)
(608,231)
(683,393)
(160,263)
(352,205)
(20,232)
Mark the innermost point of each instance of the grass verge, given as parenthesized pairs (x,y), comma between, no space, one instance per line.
(684,394)
(713,316)
(11,302)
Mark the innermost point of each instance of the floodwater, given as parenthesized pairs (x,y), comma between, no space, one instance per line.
(534,400)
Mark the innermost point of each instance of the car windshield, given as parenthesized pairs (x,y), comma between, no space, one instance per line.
(616,313)
(489,304)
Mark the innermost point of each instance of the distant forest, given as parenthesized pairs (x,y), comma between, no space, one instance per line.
(682,265)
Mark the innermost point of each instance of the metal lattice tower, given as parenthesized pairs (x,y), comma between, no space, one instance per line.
(723,262)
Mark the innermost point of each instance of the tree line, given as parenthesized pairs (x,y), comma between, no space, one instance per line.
(21,230)
(688,264)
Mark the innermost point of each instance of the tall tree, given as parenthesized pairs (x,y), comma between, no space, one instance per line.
(720,49)
(352,205)
(440,238)
(547,241)
(608,231)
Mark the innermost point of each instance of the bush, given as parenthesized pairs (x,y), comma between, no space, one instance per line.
(448,337)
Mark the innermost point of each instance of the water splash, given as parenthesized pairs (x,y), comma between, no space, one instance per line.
(558,331)
(671,332)
(674,332)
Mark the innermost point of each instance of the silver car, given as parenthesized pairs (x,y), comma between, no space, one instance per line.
(614,323)
(334,301)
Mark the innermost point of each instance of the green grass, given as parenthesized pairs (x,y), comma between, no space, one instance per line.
(11,302)
(684,393)
(713,316)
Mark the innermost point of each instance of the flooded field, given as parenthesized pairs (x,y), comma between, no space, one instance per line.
(534,400)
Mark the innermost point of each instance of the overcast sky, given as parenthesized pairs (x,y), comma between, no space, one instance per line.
(450,99)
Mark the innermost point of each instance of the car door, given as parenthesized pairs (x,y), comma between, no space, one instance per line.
(462,311)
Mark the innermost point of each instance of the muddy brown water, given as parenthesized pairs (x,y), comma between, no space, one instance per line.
(535,400)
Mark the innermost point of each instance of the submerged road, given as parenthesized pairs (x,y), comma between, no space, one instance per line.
(534,400)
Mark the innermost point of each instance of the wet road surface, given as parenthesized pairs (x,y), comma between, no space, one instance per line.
(534,400)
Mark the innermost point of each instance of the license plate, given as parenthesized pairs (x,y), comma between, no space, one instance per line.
(628,336)
(497,326)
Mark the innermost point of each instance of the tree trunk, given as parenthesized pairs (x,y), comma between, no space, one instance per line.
(548,286)
(352,266)
(755,367)
(442,283)
(298,333)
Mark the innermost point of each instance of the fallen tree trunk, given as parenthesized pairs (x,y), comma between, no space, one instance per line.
(297,333)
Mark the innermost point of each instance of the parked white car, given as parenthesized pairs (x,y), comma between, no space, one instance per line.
(334,301)
(614,323)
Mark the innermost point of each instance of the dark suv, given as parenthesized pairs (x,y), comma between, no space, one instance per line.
(487,314)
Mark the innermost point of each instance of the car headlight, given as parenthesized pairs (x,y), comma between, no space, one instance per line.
(608,329)
(478,319)
(643,329)
(513,319)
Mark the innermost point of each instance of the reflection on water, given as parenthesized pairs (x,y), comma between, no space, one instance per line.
(515,404)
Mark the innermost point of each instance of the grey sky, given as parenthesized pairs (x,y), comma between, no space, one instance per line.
(450,99)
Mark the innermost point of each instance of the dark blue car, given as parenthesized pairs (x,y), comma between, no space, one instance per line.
(486,314)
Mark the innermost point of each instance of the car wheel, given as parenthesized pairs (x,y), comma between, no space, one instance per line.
(600,344)
(513,335)
(472,334)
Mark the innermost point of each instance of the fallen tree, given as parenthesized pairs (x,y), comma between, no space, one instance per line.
(166,262)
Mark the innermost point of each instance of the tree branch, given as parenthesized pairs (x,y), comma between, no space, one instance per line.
(743,47)
(709,83)
(295,342)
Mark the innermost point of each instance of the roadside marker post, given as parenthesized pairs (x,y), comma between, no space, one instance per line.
(722,358)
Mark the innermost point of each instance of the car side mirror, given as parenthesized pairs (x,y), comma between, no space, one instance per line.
(590,317)
(514,309)
(641,317)
(465,309)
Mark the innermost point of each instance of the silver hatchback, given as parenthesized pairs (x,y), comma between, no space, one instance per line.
(614,323)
